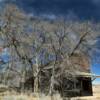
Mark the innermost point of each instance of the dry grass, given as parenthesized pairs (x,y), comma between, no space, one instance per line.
(8,96)
(14,96)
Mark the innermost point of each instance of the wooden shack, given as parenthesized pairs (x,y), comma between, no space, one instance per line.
(81,87)
(84,84)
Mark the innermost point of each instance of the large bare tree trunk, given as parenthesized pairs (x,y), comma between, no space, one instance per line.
(51,86)
(51,91)
(36,79)
(36,90)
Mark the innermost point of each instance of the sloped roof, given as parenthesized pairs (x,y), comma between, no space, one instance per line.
(84,74)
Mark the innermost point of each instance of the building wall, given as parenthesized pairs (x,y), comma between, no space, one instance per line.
(82,61)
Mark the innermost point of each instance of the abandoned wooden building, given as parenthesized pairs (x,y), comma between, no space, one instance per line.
(84,84)
(81,87)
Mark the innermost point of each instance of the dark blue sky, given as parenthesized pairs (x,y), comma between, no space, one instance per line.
(83,9)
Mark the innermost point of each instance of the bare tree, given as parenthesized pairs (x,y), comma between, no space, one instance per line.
(27,39)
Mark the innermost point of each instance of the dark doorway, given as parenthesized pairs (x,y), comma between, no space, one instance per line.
(86,87)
